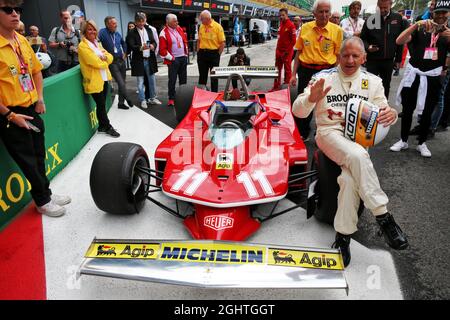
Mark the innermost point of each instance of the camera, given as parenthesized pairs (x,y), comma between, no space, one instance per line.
(69,46)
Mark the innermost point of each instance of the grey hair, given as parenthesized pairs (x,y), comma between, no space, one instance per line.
(351,40)
(206,13)
(171,16)
(317,2)
(334,12)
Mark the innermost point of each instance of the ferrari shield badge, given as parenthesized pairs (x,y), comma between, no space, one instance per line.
(365,84)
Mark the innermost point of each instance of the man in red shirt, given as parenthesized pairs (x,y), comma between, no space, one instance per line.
(285,48)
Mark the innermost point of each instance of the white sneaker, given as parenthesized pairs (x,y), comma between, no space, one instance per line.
(61,200)
(51,209)
(144,105)
(154,101)
(399,145)
(424,151)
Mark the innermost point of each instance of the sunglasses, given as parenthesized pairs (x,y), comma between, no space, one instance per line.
(9,10)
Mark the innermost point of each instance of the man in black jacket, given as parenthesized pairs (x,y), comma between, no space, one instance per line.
(143,59)
(379,34)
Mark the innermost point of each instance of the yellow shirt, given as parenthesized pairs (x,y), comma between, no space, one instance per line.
(212,36)
(11,93)
(90,65)
(319,45)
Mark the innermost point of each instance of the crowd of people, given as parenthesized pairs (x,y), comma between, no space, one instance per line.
(326,57)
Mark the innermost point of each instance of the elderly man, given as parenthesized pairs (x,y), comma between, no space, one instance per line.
(173,48)
(113,42)
(379,39)
(317,49)
(285,48)
(64,42)
(210,45)
(335,17)
(358,179)
(353,24)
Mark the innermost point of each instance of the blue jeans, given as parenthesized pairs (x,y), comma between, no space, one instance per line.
(151,83)
(440,105)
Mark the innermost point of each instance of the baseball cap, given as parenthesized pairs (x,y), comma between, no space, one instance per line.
(442,5)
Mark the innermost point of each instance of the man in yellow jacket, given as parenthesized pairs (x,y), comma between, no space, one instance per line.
(94,62)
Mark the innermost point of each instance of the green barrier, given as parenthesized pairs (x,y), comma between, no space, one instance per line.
(70,121)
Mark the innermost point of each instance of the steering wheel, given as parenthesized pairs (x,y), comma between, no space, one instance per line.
(231,123)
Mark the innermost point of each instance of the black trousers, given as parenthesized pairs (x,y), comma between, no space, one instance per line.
(27,149)
(382,68)
(100,101)
(409,100)
(177,69)
(304,77)
(118,71)
(206,60)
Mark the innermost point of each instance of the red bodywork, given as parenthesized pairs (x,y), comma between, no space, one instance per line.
(223,194)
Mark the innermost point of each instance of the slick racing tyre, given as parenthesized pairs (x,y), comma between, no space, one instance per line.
(183,101)
(117,187)
(292,92)
(328,188)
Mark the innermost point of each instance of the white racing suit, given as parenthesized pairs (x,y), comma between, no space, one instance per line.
(358,178)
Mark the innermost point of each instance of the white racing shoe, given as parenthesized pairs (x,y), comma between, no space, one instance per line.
(399,146)
(144,105)
(61,200)
(424,151)
(51,209)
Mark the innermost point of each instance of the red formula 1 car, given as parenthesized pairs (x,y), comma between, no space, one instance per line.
(232,152)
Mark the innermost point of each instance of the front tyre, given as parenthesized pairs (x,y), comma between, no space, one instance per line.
(117,187)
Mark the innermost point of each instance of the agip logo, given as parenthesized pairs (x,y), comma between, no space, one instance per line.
(224,161)
(218,222)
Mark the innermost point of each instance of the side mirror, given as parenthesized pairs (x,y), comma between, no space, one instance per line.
(263,116)
(204,116)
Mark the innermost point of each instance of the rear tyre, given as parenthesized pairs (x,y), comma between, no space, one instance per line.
(117,187)
(183,101)
(328,189)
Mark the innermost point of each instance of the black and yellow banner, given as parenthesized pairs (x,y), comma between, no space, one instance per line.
(216,252)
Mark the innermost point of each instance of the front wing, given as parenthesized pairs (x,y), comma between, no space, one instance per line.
(217,264)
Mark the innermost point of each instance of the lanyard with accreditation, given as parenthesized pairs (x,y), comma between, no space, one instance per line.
(431,53)
(25,80)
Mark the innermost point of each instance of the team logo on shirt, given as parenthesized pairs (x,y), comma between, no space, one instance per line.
(13,70)
(365,84)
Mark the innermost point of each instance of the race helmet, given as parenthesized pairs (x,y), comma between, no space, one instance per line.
(361,123)
(45,59)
